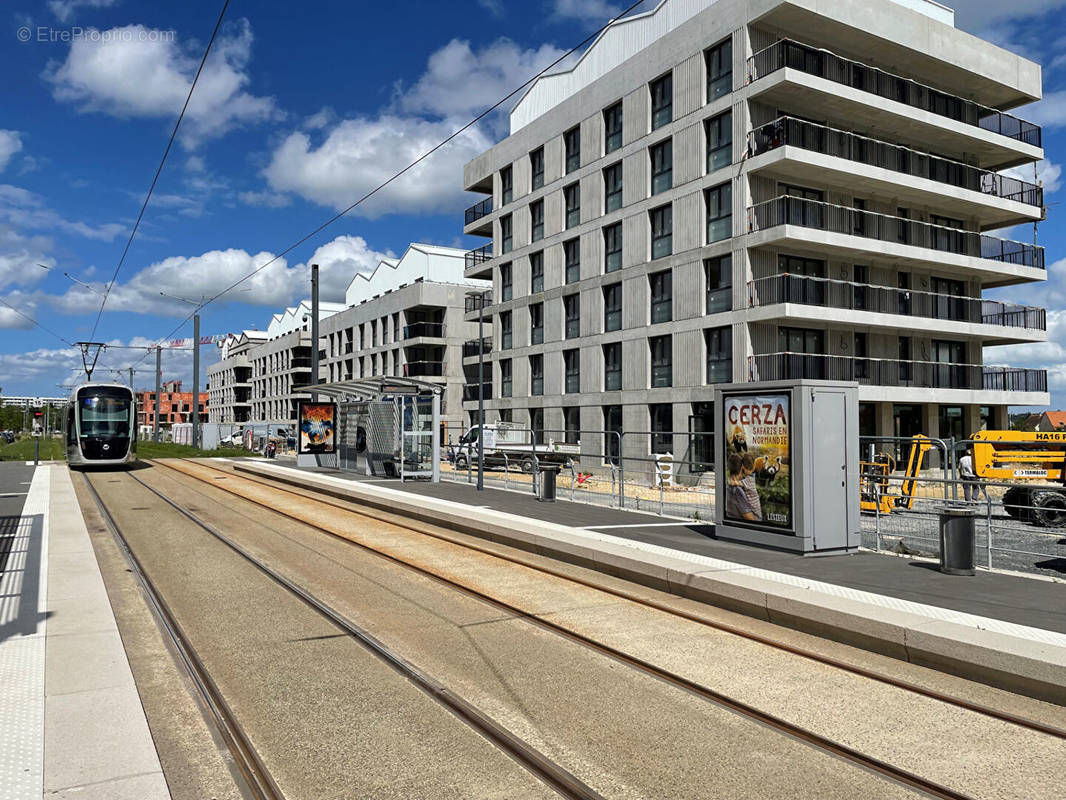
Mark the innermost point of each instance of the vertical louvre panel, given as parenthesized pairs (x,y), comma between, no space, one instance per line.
(591,323)
(688,358)
(635,172)
(688,163)
(554,212)
(688,85)
(553,266)
(591,193)
(591,139)
(635,234)
(553,159)
(742,348)
(635,302)
(635,365)
(688,294)
(636,106)
(687,230)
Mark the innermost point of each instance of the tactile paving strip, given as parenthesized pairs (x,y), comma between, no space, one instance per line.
(22,646)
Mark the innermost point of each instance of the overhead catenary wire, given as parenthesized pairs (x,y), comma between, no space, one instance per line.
(159,169)
(401,172)
(38,324)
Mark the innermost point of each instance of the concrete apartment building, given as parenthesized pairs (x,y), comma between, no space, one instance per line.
(230,380)
(757,190)
(406,319)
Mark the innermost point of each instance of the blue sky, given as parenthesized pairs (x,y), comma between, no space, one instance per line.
(297,114)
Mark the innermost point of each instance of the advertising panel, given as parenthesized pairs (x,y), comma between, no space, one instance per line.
(318,428)
(756,435)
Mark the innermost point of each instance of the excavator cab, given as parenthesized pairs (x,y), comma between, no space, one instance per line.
(876,491)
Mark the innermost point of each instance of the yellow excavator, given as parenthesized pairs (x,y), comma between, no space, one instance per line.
(1026,456)
(876,494)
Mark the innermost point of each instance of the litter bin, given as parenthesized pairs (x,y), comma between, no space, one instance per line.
(548,473)
(958,549)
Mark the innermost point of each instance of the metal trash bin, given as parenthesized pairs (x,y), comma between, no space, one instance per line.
(548,474)
(958,546)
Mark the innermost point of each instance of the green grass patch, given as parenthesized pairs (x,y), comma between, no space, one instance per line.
(22,450)
(171,450)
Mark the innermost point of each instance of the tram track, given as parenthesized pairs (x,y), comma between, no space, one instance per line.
(811,738)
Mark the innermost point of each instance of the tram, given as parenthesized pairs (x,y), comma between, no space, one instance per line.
(99,424)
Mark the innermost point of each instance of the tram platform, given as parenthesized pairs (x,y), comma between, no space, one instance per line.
(1001,628)
(71,720)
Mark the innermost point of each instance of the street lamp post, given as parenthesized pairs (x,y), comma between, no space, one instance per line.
(480,299)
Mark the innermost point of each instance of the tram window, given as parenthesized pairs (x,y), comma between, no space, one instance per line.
(101,415)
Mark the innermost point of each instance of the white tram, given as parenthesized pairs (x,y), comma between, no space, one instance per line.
(100,425)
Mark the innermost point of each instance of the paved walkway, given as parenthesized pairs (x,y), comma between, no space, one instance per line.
(1021,600)
(71,721)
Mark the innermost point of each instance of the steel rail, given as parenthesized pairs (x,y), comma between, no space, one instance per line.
(1003,716)
(856,757)
(258,781)
(541,766)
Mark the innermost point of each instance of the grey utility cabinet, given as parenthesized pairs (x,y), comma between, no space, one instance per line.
(787,464)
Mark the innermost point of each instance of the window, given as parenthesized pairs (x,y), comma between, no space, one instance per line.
(862,351)
(803,284)
(505,330)
(536,323)
(662,231)
(505,415)
(719,354)
(903,296)
(572,146)
(506,378)
(719,141)
(536,374)
(662,166)
(506,186)
(612,367)
(719,275)
(612,128)
(536,220)
(662,421)
(612,247)
(536,422)
(572,260)
(905,365)
(612,427)
(612,307)
(536,168)
(806,348)
(506,234)
(572,314)
(662,361)
(506,287)
(860,278)
(719,213)
(720,70)
(612,188)
(536,272)
(572,369)
(662,296)
(572,196)
(662,100)
(572,425)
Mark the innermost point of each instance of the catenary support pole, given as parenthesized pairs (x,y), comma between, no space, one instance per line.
(314,330)
(195,380)
(481,392)
(158,378)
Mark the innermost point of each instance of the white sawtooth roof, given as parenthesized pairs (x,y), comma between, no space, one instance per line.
(427,262)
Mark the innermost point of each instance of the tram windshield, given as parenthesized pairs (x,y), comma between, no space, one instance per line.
(104,412)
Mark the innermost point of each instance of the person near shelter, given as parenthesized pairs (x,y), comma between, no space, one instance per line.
(736,499)
(971,484)
(751,491)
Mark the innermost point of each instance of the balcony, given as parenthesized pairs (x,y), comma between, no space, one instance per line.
(785,210)
(470,391)
(471,348)
(789,131)
(848,295)
(423,369)
(475,302)
(478,256)
(429,330)
(893,372)
(478,210)
(300,363)
(827,65)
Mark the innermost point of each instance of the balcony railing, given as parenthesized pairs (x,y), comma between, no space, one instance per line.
(478,256)
(418,369)
(893,372)
(470,391)
(812,291)
(478,210)
(844,144)
(787,210)
(478,301)
(471,348)
(824,64)
(300,363)
(434,330)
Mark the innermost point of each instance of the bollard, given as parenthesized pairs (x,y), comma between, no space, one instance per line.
(36,451)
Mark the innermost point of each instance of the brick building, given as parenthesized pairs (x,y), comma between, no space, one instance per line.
(175,405)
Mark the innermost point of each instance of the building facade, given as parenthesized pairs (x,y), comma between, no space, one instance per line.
(230,380)
(406,319)
(735,191)
(174,405)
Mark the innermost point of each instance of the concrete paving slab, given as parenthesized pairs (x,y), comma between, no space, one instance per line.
(81,662)
(76,615)
(136,787)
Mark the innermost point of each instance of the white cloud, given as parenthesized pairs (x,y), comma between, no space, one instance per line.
(1046,171)
(585,10)
(1049,355)
(973,15)
(1048,112)
(461,82)
(64,9)
(338,262)
(265,199)
(359,154)
(24,210)
(494,7)
(136,71)
(10,143)
(20,257)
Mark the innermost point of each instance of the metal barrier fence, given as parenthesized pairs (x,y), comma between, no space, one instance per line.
(611,468)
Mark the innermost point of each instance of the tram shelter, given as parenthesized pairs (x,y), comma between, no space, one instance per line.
(387,427)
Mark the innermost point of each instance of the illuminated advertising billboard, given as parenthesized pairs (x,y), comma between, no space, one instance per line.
(756,462)
(317,428)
